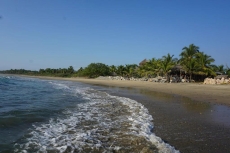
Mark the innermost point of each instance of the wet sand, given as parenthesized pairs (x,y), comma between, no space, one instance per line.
(188,125)
(218,94)
(190,117)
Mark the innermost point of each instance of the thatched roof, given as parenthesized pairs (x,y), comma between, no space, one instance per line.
(221,76)
(178,67)
(219,73)
(143,62)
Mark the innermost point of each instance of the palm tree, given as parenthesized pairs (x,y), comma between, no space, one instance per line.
(228,70)
(141,71)
(121,70)
(150,68)
(205,67)
(219,68)
(41,71)
(130,69)
(70,69)
(113,69)
(64,70)
(187,56)
(48,70)
(156,66)
(193,66)
(167,63)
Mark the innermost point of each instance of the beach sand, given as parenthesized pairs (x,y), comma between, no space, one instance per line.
(219,94)
(191,117)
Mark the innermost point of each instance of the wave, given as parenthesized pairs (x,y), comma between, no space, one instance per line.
(103,123)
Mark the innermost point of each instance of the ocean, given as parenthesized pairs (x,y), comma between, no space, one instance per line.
(62,116)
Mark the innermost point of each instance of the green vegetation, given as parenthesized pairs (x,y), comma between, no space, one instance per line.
(166,64)
(94,70)
(61,72)
(228,71)
(192,63)
(188,59)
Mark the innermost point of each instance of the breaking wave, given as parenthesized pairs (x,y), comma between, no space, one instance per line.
(102,123)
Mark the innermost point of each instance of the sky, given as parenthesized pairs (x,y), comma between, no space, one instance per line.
(38,34)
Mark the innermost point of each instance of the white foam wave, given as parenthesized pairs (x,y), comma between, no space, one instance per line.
(142,125)
(6,77)
(101,123)
(59,85)
(68,87)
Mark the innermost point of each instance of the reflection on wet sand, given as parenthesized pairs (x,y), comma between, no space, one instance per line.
(190,126)
(189,105)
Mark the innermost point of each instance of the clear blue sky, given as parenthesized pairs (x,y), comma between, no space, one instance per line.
(58,33)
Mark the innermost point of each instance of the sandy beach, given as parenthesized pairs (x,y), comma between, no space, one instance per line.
(219,94)
(189,116)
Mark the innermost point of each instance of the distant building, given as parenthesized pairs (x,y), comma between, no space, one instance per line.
(143,62)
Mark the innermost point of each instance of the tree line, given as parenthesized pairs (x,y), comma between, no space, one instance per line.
(61,72)
(192,62)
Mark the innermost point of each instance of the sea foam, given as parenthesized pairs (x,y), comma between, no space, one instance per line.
(103,123)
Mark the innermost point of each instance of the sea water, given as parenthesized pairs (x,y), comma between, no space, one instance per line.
(62,116)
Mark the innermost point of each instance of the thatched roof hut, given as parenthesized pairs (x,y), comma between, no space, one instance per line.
(178,67)
(221,76)
(219,73)
(143,62)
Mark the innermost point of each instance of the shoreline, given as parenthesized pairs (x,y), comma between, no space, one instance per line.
(216,94)
(188,122)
